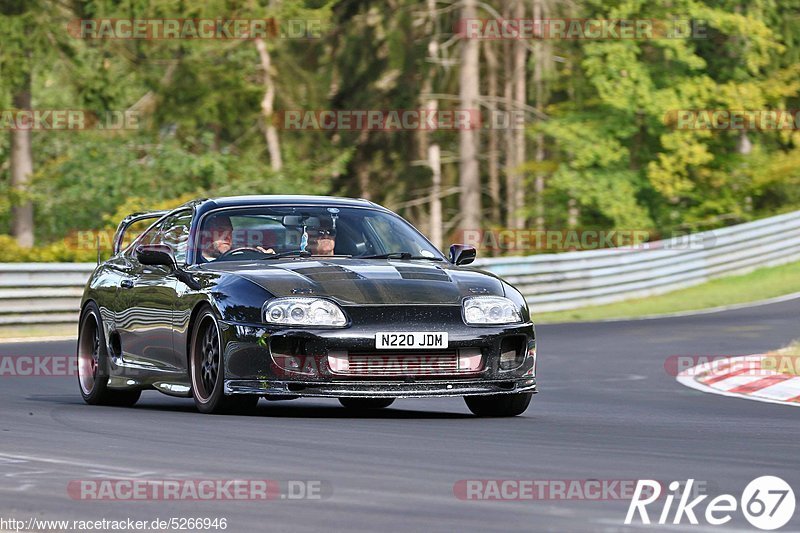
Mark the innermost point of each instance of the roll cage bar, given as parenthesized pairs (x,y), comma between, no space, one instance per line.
(132,219)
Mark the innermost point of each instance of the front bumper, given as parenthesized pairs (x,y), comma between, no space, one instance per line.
(380,389)
(250,352)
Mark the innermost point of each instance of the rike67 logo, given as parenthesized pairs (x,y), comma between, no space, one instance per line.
(767,503)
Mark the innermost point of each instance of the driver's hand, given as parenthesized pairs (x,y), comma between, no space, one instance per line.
(265,250)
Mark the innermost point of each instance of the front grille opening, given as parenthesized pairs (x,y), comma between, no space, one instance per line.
(407,364)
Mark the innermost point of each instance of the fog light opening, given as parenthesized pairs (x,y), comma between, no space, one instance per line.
(469,359)
(512,352)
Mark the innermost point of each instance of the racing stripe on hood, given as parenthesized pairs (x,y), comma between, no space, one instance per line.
(368,282)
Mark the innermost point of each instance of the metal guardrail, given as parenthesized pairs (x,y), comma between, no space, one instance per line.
(42,293)
(49,293)
(555,282)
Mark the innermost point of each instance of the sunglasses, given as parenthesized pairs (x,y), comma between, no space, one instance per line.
(324,233)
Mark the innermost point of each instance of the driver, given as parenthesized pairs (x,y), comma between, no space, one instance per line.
(217,238)
(322,240)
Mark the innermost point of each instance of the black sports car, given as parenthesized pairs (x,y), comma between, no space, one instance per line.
(228,300)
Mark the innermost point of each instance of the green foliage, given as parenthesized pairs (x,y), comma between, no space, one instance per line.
(59,251)
(619,151)
(611,146)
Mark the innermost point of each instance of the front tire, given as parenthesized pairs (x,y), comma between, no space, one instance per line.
(499,405)
(364,404)
(92,356)
(206,365)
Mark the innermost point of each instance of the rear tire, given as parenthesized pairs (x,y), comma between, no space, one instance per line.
(499,405)
(364,404)
(207,369)
(92,354)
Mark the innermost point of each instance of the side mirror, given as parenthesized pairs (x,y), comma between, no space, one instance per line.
(462,254)
(156,254)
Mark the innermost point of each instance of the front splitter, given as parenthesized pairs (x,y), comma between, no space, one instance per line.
(379,389)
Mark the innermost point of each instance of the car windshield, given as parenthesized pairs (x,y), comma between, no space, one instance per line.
(276,232)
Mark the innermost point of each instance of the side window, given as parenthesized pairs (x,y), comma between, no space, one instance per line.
(133,231)
(153,235)
(172,231)
(175,234)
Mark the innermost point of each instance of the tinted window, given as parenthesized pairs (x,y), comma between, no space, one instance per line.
(172,231)
(175,234)
(319,230)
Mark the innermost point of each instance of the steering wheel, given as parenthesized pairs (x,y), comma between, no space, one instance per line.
(239,250)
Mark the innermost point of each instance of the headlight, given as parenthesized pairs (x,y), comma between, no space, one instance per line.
(490,310)
(304,312)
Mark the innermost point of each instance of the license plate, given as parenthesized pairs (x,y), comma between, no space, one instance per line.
(431,340)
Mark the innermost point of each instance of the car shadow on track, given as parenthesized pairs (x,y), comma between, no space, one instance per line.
(273,410)
(280,409)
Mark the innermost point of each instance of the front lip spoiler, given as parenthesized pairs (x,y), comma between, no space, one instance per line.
(380,389)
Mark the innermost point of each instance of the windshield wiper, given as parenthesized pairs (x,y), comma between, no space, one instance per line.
(299,253)
(400,255)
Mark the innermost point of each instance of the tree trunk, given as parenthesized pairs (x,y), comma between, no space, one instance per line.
(362,167)
(469,83)
(267,107)
(21,171)
(538,81)
(508,133)
(573,213)
(520,100)
(744,146)
(435,162)
(428,150)
(494,164)
(433,156)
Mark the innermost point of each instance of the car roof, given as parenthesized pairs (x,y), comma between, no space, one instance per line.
(206,204)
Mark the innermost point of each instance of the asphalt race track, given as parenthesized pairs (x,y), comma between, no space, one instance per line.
(607,410)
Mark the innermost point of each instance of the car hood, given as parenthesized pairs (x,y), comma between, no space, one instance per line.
(365,282)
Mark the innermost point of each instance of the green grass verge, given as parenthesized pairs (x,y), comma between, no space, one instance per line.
(757,285)
(57,330)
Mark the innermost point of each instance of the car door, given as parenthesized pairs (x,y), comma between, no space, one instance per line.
(147,296)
